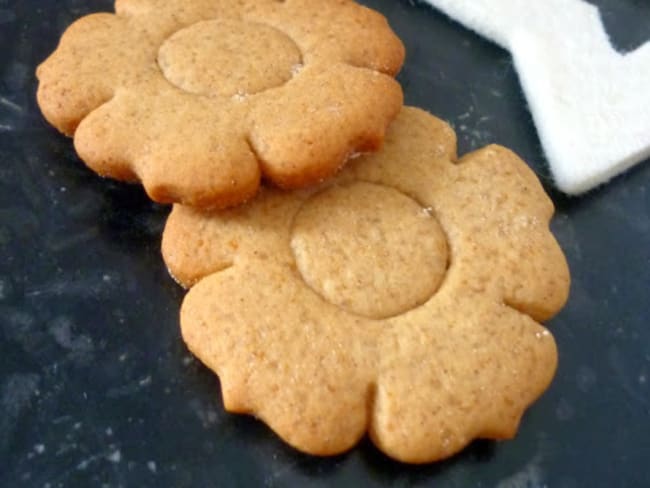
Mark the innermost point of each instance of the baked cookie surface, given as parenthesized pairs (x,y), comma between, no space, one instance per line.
(200,99)
(402,298)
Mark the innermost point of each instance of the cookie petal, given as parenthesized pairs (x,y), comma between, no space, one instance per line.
(303,368)
(415,158)
(95,56)
(305,131)
(497,216)
(183,148)
(194,245)
(448,377)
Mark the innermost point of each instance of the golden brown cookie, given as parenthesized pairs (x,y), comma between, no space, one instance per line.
(400,299)
(199,99)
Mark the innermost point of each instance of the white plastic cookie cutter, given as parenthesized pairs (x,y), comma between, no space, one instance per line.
(591,104)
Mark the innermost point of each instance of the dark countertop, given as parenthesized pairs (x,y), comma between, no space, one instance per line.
(97,388)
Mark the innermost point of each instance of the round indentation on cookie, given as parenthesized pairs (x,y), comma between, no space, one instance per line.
(228,58)
(369,249)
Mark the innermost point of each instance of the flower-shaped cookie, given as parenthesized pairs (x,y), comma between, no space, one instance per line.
(199,99)
(401,299)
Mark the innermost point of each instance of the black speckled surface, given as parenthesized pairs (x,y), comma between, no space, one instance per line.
(97,389)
